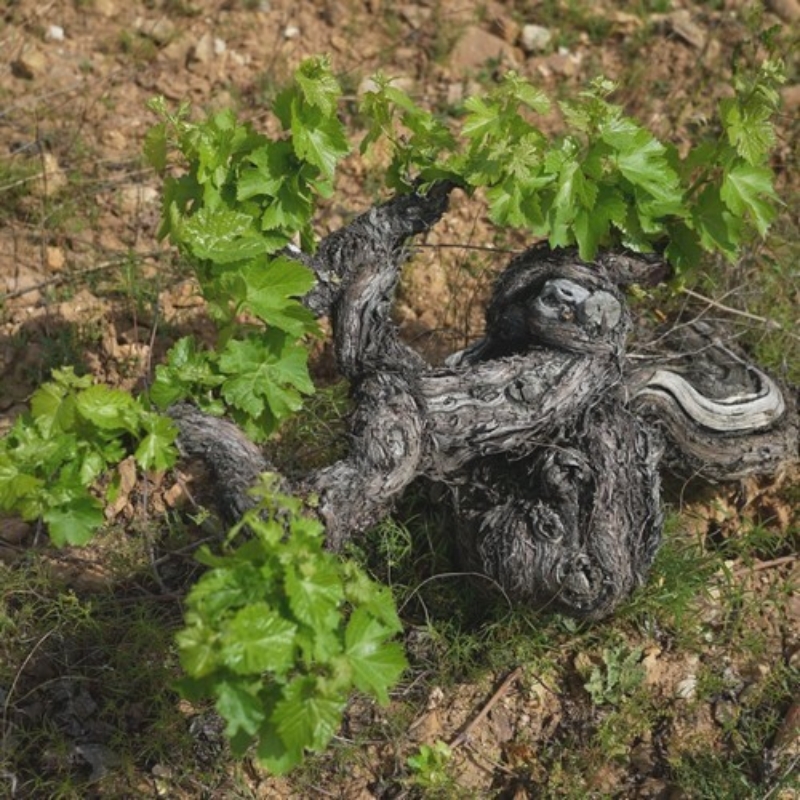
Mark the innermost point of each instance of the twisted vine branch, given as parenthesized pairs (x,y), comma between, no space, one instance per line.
(547,436)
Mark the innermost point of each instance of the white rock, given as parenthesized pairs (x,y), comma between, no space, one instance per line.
(535,38)
(54,33)
(687,688)
(204,49)
(291,32)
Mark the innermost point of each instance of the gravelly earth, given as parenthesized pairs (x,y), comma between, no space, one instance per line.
(78,211)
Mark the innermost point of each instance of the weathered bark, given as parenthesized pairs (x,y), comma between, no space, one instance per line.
(548,437)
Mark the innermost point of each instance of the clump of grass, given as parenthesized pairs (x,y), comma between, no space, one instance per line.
(87,686)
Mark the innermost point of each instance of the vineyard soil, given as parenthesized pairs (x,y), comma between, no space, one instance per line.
(690,690)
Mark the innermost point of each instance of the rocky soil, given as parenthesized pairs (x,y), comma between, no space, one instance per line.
(84,280)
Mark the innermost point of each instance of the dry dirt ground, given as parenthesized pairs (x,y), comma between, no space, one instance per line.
(84,280)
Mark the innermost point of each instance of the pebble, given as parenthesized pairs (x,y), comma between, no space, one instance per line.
(682,25)
(455,94)
(505,27)
(291,32)
(162,31)
(477,47)
(787,10)
(726,712)
(687,688)
(535,38)
(31,64)
(206,49)
(54,33)
(54,258)
(106,8)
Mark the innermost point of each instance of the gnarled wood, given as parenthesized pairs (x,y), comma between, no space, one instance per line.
(546,435)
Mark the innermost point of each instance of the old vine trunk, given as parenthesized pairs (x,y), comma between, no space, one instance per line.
(548,434)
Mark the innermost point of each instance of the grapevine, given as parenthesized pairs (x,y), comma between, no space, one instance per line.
(279,631)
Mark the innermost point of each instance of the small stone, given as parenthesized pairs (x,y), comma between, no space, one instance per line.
(161,31)
(114,140)
(624,22)
(415,16)
(31,64)
(54,258)
(726,713)
(787,10)
(476,48)
(54,33)
(455,94)
(504,27)
(561,63)
(535,38)
(203,51)
(106,8)
(291,32)
(687,688)
(681,24)
(175,496)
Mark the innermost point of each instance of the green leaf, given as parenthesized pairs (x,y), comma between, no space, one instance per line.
(305,718)
(716,227)
(272,753)
(108,409)
(157,449)
(748,189)
(155,147)
(269,291)
(319,87)
(15,484)
(482,120)
(645,166)
(53,408)
(376,663)
(187,372)
(198,645)
(239,704)
(318,140)
(266,170)
(270,372)
(748,127)
(532,97)
(593,225)
(222,235)
(684,250)
(257,640)
(315,591)
(75,522)
(229,587)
